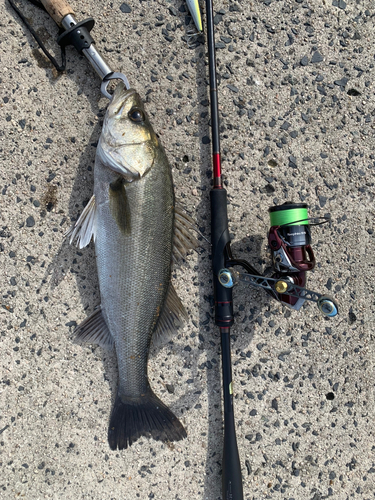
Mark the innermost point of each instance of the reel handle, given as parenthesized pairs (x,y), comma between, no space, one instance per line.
(58,9)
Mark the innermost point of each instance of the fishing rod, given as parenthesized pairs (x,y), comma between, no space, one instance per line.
(231,467)
(292,256)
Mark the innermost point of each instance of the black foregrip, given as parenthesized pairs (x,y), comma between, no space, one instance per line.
(232,478)
(220,238)
(219,227)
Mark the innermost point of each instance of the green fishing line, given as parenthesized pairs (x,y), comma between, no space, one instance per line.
(285,216)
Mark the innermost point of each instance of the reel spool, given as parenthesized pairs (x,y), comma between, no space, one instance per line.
(290,243)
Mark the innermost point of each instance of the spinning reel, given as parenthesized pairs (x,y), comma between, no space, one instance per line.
(289,240)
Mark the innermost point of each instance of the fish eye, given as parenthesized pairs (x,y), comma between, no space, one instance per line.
(136,115)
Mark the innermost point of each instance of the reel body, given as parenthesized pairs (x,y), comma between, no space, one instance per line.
(289,239)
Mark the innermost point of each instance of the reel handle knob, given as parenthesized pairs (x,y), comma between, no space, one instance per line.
(328,306)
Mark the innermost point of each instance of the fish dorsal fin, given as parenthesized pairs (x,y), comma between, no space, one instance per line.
(172,315)
(94,330)
(183,240)
(85,228)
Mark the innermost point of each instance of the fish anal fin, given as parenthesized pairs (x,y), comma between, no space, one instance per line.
(94,330)
(172,316)
(85,227)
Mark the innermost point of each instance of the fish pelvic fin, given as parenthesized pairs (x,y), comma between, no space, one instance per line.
(84,228)
(94,330)
(146,416)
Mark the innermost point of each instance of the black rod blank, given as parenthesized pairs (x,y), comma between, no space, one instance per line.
(213,82)
(231,475)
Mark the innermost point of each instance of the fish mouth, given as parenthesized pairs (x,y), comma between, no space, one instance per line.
(120,96)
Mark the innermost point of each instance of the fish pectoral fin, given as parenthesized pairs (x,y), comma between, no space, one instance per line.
(119,205)
(172,316)
(94,330)
(85,228)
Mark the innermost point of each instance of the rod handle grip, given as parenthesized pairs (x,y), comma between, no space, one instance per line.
(57,9)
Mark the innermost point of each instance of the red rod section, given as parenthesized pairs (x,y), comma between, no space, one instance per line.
(217,170)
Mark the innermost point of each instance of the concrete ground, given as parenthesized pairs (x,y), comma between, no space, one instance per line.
(296,94)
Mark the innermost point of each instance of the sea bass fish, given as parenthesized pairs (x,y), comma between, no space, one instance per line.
(137,231)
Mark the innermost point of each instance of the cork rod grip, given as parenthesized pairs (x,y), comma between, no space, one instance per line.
(57,9)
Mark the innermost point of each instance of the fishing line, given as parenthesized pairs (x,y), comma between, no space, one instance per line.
(193,37)
(326,219)
(58,67)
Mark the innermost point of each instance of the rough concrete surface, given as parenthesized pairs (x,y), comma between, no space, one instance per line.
(296,95)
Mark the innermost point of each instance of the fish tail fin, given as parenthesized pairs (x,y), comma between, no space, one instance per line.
(147,416)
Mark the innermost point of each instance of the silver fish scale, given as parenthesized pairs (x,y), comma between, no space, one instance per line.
(134,269)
